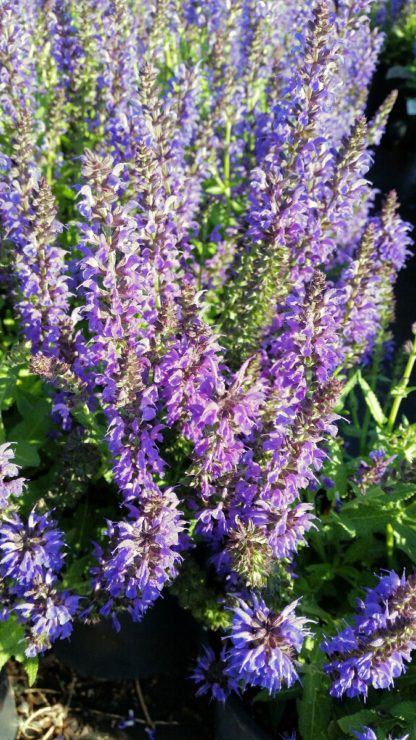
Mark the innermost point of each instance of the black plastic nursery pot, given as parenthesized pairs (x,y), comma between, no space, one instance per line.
(394,168)
(233,722)
(8,714)
(162,643)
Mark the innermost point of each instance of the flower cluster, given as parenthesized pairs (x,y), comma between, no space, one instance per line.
(372,473)
(265,644)
(376,649)
(260,650)
(31,558)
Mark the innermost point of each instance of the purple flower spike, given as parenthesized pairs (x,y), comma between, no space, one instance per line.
(43,302)
(265,644)
(143,554)
(375,650)
(372,473)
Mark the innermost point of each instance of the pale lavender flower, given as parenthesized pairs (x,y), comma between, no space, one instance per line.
(10,484)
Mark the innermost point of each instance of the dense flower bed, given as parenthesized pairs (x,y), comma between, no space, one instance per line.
(197,298)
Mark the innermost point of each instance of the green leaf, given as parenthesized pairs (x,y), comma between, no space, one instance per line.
(314,708)
(405,710)
(31,430)
(367,514)
(364,521)
(345,524)
(8,376)
(31,433)
(63,191)
(12,641)
(215,189)
(405,538)
(311,609)
(30,404)
(358,720)
(402,491)
(76,575)
(372,401)
(347,388)
(336,468)
(31,666)
(26,455)
(364,549)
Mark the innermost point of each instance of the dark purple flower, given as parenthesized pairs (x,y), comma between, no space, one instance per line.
(211,678)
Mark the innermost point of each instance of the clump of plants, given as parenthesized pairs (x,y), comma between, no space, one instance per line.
(397,20)
(198,377)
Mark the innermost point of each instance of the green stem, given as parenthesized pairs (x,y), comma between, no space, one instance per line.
(354,409)
(400,389)
(168,55)
(227,164)
(373,383)
(389,544)
(50,164)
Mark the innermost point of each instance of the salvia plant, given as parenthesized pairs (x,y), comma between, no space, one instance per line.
(198,374)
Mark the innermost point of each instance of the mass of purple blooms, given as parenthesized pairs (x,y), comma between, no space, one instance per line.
(195,279)
(31,558)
